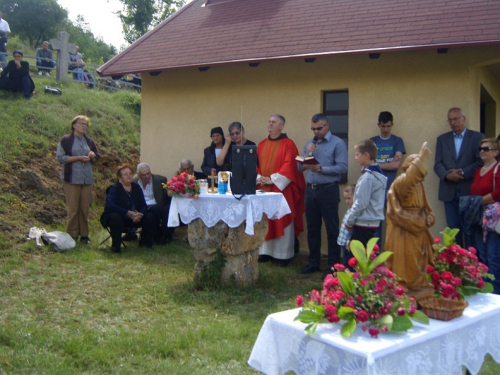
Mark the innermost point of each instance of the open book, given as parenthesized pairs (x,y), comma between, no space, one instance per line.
(308,160)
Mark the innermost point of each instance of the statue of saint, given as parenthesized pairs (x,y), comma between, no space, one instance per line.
(409,217)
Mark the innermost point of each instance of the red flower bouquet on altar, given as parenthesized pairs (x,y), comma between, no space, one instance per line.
(457,272)
(184,184)
(369,296)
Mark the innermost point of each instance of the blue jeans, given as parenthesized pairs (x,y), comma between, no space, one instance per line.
(23,85)
(452,213)
(346,255)
(3,59)
(40,64)
(489,253)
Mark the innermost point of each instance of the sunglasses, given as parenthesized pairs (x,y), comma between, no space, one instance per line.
(485,149)
(317,129)
(235,134)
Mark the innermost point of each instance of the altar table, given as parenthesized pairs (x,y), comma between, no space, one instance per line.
(211,208)
(236,227)
(439,348)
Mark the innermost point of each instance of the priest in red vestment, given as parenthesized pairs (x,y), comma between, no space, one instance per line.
(278,173)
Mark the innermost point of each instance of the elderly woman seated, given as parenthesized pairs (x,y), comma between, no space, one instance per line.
(126,208)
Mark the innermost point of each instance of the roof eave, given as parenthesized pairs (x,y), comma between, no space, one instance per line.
(102,70)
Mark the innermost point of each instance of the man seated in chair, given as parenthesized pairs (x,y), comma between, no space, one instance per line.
(186,165)
(126,208)
(157,200)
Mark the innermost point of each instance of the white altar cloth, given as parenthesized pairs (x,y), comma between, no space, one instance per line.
(211,208)
(439,348)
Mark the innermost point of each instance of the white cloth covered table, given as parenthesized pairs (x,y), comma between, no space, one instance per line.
(439,348)
(211,208)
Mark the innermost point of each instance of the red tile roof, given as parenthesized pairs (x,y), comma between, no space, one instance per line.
(258,30)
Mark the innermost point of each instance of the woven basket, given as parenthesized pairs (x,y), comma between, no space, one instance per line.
(443,309)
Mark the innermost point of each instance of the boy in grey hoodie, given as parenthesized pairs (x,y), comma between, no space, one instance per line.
(369,197)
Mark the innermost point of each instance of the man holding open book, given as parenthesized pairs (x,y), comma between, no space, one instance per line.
(322,190)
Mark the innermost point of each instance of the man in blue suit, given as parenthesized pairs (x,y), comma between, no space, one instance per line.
(457,158)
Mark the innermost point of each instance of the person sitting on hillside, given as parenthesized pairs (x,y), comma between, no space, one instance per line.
(44,61)
(84,75)
(16,76)
(4,33)
(73,60)
(127,208)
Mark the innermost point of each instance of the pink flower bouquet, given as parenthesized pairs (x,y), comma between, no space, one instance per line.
(370,296)
(184,184)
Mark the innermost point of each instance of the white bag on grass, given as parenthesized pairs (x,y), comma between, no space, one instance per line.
(60,240)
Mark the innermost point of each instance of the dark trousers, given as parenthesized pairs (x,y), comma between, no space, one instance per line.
(23,85)
(161,215)
(452,213)
(116,224)
(322,204)
(363,235)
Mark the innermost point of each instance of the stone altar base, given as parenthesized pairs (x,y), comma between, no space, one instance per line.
(240,250)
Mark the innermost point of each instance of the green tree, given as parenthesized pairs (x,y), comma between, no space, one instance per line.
(34,20)
(139,16)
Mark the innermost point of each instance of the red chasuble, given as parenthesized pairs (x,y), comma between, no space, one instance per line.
(278,156)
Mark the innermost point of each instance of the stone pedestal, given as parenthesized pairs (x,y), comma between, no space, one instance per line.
(240,250)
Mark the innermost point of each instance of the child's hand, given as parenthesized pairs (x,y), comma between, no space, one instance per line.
(347,245)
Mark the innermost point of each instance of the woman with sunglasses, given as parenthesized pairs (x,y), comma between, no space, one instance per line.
(236,136)
(487,184)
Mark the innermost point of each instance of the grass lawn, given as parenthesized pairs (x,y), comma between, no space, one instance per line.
(88,311)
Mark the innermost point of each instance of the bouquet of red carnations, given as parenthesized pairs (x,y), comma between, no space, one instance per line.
(370,296)
(184,184)
(456,272)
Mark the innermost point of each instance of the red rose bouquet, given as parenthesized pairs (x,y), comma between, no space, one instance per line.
(456,272)
(369,296)
(184,184)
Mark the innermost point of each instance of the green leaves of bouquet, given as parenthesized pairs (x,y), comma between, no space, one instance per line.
(369,296)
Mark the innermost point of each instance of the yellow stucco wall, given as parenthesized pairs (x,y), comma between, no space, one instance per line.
(180,107)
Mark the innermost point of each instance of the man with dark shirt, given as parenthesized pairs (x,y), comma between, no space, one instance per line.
(16,76)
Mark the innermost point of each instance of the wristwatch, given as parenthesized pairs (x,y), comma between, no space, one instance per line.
(320,169)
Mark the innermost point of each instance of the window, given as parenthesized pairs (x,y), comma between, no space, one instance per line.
(336,109)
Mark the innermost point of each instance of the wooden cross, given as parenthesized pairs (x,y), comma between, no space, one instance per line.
(212,189)
(63,48)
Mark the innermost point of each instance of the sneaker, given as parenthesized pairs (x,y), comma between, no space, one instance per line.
(40,73)
(47,74)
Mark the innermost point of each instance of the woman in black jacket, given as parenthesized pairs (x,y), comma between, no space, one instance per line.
(127,208)
(209,164)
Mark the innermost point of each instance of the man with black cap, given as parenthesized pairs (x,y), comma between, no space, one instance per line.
(209,164)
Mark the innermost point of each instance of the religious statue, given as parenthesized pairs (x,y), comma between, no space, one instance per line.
(409,217)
